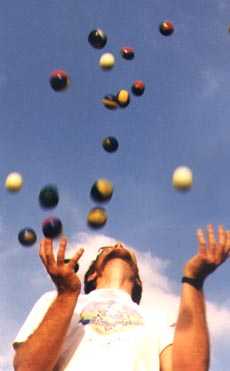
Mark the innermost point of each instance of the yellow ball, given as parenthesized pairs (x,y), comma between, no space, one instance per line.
(107,61)
(14,182)
(97,217)
(105,187)
(182,178)
(123,98)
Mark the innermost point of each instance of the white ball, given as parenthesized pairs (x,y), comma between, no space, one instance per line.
(107,61)
(182,178)
(14,182)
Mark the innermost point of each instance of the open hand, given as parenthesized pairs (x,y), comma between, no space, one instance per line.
(211,253)
(62,274)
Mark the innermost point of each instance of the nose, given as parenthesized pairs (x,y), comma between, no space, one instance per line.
(118,245)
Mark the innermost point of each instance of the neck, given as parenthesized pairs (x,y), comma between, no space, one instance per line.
(116,275)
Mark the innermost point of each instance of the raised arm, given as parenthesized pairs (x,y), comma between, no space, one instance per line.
(191,342)
(41,350)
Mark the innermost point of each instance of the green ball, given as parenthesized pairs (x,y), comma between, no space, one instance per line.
(48,196)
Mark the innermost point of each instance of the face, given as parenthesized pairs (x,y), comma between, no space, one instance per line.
(117,251)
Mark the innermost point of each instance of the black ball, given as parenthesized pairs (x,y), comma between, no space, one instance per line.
(27,237)
(52,227)
(59,80)
(97,39)
(48,196)
(110,144)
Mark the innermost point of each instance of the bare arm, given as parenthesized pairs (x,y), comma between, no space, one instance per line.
(191,343)
(166,359)
(41,350)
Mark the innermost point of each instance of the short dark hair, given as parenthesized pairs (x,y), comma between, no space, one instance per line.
(92,285)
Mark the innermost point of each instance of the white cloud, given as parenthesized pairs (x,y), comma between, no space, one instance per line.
(6,361)
(7,327)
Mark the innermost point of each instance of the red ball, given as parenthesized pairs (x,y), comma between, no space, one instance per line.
(138,87)
(166,28)
(59,80)
(127,53)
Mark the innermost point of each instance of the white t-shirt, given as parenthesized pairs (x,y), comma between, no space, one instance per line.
(108,331)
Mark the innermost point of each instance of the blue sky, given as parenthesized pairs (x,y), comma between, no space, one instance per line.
(182,119)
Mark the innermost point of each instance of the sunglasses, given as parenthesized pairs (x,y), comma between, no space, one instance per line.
(101,249)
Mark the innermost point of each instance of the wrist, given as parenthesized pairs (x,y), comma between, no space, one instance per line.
(68,295)
(195,282)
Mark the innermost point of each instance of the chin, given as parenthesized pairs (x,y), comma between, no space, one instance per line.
(118,253)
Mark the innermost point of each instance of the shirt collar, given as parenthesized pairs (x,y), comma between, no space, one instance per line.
(110,293)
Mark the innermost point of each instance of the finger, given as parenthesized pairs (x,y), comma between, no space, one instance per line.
(41,253)
(227,245)
(76,257)
(61,251)
(221,235)
(211,236)
(48,251)
(201,241)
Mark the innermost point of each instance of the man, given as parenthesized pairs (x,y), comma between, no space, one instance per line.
(105,329)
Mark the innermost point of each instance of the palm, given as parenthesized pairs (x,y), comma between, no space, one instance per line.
(65,278)
(61,273)
(210,254)
(200,266)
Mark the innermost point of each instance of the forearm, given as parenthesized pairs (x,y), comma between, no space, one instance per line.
(191,342)
(40,352)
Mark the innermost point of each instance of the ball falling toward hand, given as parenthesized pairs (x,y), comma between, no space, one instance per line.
(52,227)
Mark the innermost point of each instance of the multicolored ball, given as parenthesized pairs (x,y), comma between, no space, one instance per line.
(52,227)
